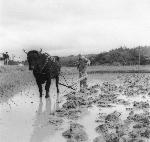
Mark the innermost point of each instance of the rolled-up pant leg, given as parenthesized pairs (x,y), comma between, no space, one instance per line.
(85,83)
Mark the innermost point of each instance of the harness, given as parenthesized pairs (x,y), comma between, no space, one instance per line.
(46,62)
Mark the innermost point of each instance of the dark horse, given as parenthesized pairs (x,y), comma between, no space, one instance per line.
(44,68)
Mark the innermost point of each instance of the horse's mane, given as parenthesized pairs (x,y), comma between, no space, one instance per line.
(34,51)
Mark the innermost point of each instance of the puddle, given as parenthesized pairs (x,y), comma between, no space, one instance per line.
(16,119)
(24,118)
(88,121)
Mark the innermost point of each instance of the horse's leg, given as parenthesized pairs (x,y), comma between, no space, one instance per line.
(40,88)
(57,81)
(47,86)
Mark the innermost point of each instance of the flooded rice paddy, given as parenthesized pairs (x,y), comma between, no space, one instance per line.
(116,108)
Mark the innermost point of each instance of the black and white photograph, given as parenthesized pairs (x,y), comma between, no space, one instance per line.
(74,70)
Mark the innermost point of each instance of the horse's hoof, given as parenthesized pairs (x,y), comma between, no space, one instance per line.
(40,96)
(46,96)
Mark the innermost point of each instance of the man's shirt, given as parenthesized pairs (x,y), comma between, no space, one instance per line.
(82,64)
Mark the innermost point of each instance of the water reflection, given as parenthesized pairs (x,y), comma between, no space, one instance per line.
(40,126)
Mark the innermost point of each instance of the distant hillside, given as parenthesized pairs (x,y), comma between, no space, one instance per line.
(68,61)
(119,56)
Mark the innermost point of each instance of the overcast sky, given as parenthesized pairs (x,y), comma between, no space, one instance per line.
(63,27)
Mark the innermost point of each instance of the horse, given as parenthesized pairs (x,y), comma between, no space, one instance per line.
(45,68)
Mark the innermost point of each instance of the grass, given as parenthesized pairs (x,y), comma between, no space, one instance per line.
(14,79)
(112,69)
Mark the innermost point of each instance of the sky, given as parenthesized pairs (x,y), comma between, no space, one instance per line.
(70,27)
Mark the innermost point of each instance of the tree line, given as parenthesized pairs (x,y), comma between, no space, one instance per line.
(122,56)
(119,56)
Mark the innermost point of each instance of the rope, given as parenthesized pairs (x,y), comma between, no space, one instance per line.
(63,77)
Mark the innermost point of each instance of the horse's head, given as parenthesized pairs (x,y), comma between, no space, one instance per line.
(33,58)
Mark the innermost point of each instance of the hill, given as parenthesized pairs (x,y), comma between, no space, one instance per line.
(118,56)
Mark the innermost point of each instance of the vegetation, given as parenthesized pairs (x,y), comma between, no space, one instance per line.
(119,56)
(14,79)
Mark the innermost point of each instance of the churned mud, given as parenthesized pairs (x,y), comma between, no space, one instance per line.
(115,108)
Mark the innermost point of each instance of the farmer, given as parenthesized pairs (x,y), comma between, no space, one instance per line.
(82,67)
(6,58)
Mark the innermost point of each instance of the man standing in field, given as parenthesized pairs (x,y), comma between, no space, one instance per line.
(6,58)
(82,67)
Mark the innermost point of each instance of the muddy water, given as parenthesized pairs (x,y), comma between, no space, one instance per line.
(88,121)
(25,117)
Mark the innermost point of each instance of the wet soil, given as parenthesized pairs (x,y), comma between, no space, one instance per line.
(114,108)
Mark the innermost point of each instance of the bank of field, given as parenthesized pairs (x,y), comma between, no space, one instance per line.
(14,79)
(17,78)
(112,69)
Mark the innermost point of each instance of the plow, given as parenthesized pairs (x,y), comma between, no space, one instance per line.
(74,84)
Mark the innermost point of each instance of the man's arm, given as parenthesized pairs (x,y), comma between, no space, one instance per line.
(88,62)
